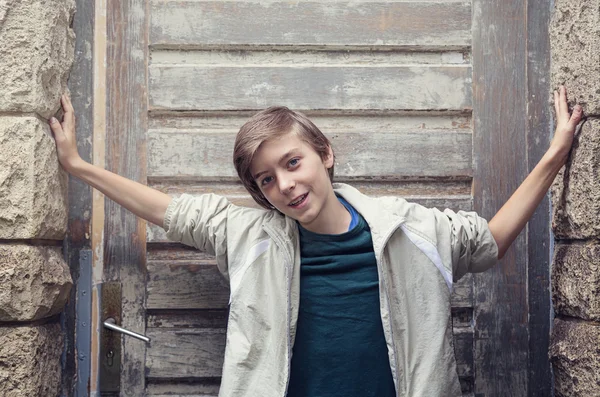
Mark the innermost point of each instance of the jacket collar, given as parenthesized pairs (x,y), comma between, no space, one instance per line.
(380,219)
(381,216)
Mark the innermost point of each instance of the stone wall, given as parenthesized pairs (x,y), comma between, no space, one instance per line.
(36,54)
(575,347)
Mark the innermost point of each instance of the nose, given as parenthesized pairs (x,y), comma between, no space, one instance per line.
(286,183)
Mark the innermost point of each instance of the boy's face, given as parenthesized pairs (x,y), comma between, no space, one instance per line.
(294,179)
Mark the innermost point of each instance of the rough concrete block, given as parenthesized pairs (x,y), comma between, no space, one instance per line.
(575,47)
(576,190)
(576,281)
(33,186)
(35,282)
(575,356)
(36,54)
(30,360)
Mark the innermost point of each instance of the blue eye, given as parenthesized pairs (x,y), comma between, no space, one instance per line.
(294,162)
(266,180)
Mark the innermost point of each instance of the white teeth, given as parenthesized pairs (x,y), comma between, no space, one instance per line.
(299,200)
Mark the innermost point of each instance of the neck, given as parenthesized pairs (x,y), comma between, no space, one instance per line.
(333,219)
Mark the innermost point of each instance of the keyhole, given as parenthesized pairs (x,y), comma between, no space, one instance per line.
(109,358)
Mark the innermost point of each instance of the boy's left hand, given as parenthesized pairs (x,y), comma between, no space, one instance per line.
(566,125)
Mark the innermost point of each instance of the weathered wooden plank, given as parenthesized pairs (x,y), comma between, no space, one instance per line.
(193,353)
(156,234)
(186,285)
(205,389)
(195,283)
(440,194)
(294,56)
(538,229)
(77,362)
(125,235)
(332,121)
(179,23)
(423,87)
(423,154)
(500,150)
(175,353)
(202,388)
(187,319)
(442,188)
(98,159)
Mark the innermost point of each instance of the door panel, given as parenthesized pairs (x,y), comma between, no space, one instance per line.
(391,83)
(398,90)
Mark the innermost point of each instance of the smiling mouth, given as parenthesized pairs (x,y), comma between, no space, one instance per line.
(298,201)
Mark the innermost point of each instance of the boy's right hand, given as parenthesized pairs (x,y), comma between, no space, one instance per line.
(145,202)
(64,136)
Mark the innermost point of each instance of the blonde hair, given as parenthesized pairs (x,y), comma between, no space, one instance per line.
(271,123)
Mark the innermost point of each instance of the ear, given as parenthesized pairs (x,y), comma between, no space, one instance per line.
(328,159)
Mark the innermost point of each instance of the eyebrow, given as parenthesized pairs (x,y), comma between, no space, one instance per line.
(287,154)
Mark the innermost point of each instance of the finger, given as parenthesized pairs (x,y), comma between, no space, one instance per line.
(564,109)
(68,104)
(69,112)
(56,128)
(556,104)
(575,117)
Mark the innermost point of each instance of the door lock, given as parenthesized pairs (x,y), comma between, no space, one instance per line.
(109,381)
(111,324)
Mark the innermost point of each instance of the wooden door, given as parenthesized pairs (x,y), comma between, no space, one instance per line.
(422,99)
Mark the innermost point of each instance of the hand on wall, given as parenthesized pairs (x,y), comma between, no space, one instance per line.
(566,125)
(64,136)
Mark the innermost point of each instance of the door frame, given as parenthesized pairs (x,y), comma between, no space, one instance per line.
(512,301)
(512,126)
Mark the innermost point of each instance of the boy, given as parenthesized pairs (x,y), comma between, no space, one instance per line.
(332,293)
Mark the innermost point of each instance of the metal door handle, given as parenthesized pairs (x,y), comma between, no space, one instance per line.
(111,324)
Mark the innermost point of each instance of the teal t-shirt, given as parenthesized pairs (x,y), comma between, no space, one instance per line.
(340,348)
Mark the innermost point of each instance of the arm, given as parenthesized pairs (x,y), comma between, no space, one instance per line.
(516,212)
(145,202)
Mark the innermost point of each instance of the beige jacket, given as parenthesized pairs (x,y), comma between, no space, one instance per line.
(419,252)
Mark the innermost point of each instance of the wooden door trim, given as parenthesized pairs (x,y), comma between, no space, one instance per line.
(98,159)
(538,231)
(511,120)
(77,314)
(121,120)
(499,146)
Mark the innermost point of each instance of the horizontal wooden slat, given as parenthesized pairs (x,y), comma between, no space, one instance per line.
(238,196)
(187,318)
(372,56)
(185,285)
(439,188)
(156,234)
(176,353)
(328,121)
(198,353)
(423,154)
(373,23)
(197,284)
(189,87)
(201,388)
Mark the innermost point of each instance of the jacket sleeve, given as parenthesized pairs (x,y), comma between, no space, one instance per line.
(201,222)
(472,246)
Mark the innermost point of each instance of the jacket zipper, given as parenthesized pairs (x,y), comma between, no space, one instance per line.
(288,266)
(289,320)
(387,296)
